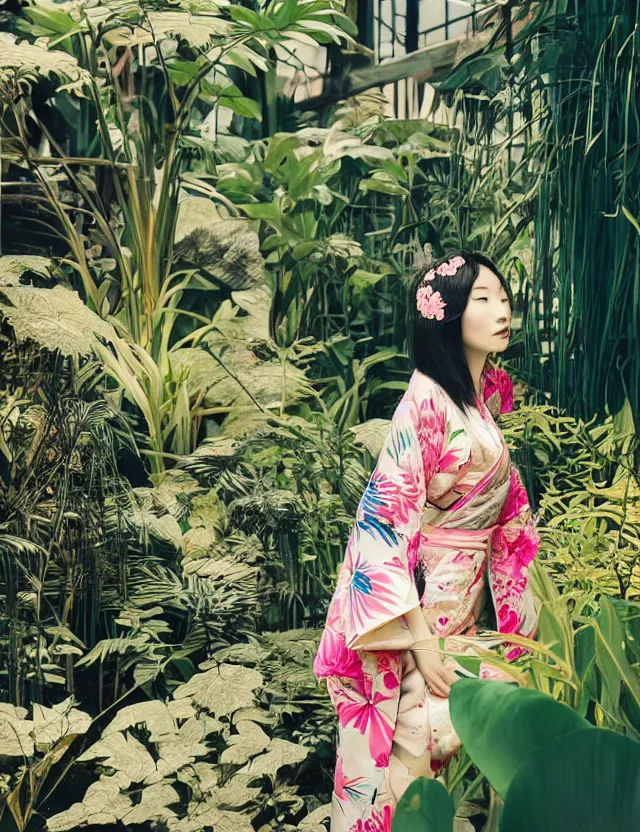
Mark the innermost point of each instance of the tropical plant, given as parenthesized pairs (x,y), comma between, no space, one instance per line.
(59,448)
(97,574)
(587,492)
(208,756)
(543,761)
(559,99)
(142,244)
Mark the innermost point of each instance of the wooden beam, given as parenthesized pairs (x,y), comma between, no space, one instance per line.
(431,63)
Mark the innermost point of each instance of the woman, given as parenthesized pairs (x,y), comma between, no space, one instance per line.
(444,522)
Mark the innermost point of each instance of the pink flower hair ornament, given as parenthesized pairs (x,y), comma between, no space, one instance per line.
(430,303)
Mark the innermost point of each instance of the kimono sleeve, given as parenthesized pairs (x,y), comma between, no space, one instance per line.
(378,583)
(514,545)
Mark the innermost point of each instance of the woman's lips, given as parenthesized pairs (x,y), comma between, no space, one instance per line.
(504,333)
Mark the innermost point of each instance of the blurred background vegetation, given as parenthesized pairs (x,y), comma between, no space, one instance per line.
(208,210)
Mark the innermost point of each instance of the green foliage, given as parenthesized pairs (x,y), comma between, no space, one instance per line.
(555,107)
(152,237)
(592,661)
(235,309)
(540,760)
(564,784)
(59,448)
(589,499)
(425,805)
(209,755)
(500,724)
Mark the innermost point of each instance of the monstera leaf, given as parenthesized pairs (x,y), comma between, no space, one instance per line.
(226,247)
(55,319)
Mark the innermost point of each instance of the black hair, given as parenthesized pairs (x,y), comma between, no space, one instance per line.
(435,347)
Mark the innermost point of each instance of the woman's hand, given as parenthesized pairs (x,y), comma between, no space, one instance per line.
(432,665)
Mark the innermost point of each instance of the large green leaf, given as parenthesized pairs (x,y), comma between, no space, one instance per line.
(611,657)
(425,806)
(500,725)
(29,62)
(13,266)
(226,247)
(588,780)
(372,434)
(279,753)
(222,690)
(476,71)
(55,319)
(16,732)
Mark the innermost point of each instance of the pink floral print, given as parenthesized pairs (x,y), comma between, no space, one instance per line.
(374,590)
(378,822)
(359,706)
(426,459)
(334,657)
(497,381)
(346,789)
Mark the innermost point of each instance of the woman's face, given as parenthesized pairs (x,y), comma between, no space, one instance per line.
(486,319)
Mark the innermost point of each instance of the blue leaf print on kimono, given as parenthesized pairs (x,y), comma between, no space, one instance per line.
(387,502)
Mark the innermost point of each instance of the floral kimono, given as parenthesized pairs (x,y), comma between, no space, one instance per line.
(444,517)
